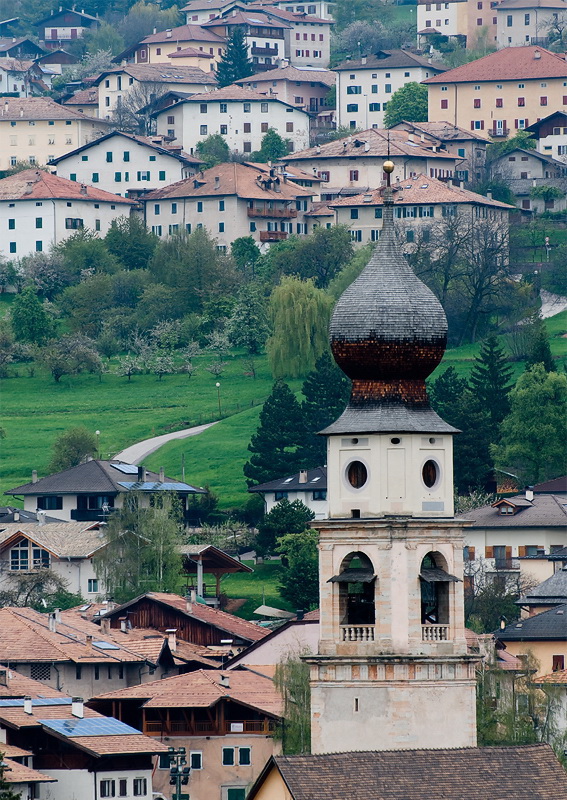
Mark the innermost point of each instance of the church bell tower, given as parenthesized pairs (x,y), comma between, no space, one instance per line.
(392,669)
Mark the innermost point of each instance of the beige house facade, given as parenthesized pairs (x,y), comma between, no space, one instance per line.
(160,47)
(304,87)
(524,22)
(500,93)
(447,18)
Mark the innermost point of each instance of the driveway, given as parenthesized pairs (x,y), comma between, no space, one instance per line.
(137,452)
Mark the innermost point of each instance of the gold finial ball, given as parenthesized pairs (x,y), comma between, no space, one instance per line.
(388,166)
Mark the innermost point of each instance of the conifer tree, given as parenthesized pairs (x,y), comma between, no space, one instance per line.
(539,351)
(490,380)
(276,445)
(326,391)
(235,62)
(284,518)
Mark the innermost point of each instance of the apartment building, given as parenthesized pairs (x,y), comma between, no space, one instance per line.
(500,93)
(123,162)
(264,36)
(308,38)
(37,129)
(317,8)
(113,85)
(482,22)
(15,77)
(38,210)
(242,116)
(447,18)
(521,22)
(159,47)
(355,164)
(199,11)
(304,87)
(523,170)
(232,200)
(64,26)
(365,85)
(421,202)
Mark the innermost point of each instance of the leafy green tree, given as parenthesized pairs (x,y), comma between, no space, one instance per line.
(46,272)
(213,150)
(272,147)
(72,447)
(235,62)
(284,518)
(128,365)
(300,571)
(300,318)
(105,37)
(30,322)
(161,364)
(130,241)
(142,18)
(522,139)
(533,434)
(326,391)
(69,355)
(547,193)
(85,252)
(276,445)
(319,256)
(490,380)
(539,351)
(246,255)
(248,326)
(407,103)
(85,304)
(141,548)
(292,681)
(41,589)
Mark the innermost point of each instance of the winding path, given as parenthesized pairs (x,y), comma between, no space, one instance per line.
(137,452)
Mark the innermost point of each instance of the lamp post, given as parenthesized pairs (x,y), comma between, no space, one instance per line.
(178,771)
(218,397)
(97,434)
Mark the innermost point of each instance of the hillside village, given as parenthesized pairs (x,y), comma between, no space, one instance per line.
(283,367)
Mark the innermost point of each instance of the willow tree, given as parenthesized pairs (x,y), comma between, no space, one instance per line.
(300,319)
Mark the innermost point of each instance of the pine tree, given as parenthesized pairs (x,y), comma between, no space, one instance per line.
(284,518)
(326,391)
(235,62)
(445,391)
(276,445)
(490,380)
(539,350)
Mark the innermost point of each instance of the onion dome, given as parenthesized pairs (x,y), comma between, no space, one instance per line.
(388,332)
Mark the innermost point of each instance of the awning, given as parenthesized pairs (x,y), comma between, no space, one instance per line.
(353,576)
(437,576)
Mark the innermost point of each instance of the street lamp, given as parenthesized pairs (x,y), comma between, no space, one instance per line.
(218,397)
(178,771)
(97,434)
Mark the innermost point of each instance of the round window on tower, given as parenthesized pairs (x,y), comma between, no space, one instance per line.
(430,473)
(357,474)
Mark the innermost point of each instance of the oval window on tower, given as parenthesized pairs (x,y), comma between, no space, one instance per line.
(357,474)
(430,473)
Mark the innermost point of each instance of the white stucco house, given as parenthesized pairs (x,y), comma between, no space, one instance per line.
(308,485)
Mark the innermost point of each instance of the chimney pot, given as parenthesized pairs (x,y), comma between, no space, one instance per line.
(172,638)
(105,625)
(77,707)
(303,476)
(530,493)
(28,708)
(89,642)
(16,516)
(34,476)
(161,474)
(124,624)
(225,681)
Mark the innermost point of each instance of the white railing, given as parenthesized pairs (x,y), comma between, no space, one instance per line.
(434,633)
(357,633)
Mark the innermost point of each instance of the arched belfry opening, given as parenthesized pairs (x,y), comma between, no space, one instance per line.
(436,585)
(356,586)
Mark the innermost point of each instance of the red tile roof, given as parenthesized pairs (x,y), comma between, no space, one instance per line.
(508,64)
(186,52)
(14,772)
(36,108)
(184,33)
(18,685)
(31,184)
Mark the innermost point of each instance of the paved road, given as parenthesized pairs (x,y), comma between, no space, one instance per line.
(137,452)
(551,304)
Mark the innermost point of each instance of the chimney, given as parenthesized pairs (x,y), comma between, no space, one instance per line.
(217,182)
(363,60)
(191,598)
(34,476)
(489,195)
(299,614)
(105,625)
(537,54)
(168,33)
(41,517)
(225,681)
(161,474)
(172,638)
(83,189)
(302,476)
(124,624)
(28,705)
(155,31)
(530,493)
(16,516)
(89,642)
(77,708)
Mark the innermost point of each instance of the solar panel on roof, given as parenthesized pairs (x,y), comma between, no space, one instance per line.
(37,701)
(154,486)
(127,469)
(105,726)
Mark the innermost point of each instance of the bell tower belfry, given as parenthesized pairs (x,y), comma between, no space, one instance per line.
(392,669)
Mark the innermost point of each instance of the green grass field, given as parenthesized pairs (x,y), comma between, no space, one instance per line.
(259,588)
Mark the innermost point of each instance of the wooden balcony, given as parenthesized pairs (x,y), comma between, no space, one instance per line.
(273,236)
(357,633)
(261,727)
(273,213)
(264,51)
(434,633)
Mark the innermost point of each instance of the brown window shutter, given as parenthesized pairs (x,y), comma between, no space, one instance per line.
(489,552)
(508,552)
(471,553)
(522,550)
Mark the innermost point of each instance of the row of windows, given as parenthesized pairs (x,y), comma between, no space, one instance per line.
(246,128)
(374,89)
(319,494)
(42,671)
(306,35)
(108,788)
(141,175)
(499,124)
(403,212)
(32,142)
(499,102)
(353,107)
(13,247)
(25,556)
(31,123)
(287,227)
(125,157)
(305,54)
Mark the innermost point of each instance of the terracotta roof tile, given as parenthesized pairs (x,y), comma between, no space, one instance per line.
(31,184)
(555,677)
(36,108)
(324,76)
(163,73)
(203,689)
(84,97)
(230,93)
(242,17)
(118,745)
(186,52)
(11,751)
(14,772)
(18,685)
(508,64)
(392,59)
(380,143)
(184,33)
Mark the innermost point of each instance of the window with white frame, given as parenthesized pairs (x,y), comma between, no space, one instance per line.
(25,556)
(108,788)
(140,787)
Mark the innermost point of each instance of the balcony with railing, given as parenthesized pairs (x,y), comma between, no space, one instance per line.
(264,51)
(499,133)
(272,213)
(90,514)
(434,633)
(273,236)
(357,633)
(263,727)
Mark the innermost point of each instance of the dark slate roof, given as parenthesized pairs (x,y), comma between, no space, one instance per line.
(555,486)
(558,555)
(100,477)
(553,591)
(546,510)
(389,419)
(531,772)
(392,59)
(316,480)
(541,627)
(12,514)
